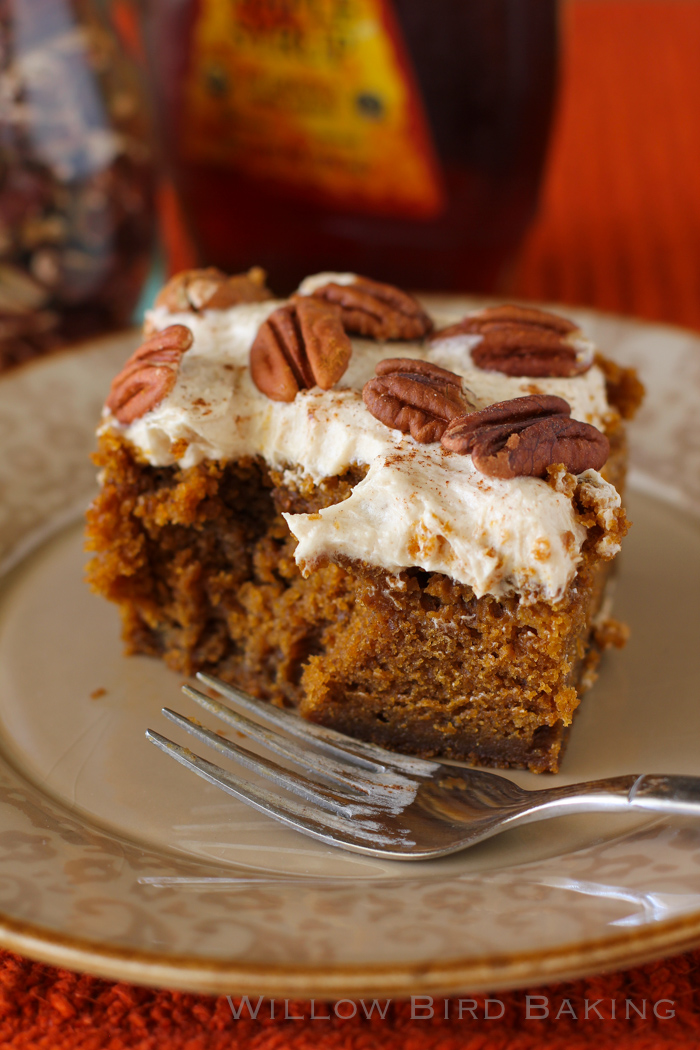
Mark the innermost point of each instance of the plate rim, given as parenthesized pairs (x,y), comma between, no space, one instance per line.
(221,976)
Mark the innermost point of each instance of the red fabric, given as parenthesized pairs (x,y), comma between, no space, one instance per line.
(618,228)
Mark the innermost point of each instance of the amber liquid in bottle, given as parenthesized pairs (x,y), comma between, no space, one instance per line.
(479,76)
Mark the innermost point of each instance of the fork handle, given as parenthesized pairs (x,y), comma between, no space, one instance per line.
(653,792)
(666,794)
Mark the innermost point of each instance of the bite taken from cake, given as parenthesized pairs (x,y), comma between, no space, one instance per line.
(398,519)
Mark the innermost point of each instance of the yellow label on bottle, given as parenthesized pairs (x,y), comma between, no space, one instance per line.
(315,96)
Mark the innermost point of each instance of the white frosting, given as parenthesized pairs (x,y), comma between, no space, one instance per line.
(585,393)
(418,505)
(428,507)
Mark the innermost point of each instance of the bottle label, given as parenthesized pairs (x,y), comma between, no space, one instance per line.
(315,96)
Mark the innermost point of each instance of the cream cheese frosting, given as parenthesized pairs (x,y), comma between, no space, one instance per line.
(418,505)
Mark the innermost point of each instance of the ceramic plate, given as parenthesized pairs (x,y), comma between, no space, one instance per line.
(115,860)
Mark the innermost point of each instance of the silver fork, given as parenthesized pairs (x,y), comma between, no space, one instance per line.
(363,798)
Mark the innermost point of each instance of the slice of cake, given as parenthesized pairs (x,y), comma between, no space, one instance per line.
(399,521)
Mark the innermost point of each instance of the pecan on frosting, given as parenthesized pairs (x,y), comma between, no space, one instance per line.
(522,341)
(378,311)
(416,397)
(211,289)
(525,436)
(302,344)
(149,375)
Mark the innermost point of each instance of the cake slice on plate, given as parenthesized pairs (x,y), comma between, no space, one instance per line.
(398,520)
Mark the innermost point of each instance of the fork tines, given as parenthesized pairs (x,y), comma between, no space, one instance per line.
(353,789)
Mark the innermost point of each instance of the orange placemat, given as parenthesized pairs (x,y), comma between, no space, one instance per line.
(41,1007)
(619,229)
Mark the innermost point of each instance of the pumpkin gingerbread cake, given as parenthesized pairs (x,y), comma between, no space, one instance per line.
(398,520)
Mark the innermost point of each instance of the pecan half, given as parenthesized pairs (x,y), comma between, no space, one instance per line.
(416,397)
(377,310)
(211,289)
(300,345)
(149,375)
(525,436)
(522,341)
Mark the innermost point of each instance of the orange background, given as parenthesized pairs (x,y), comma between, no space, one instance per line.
(619,221)
(619,229)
